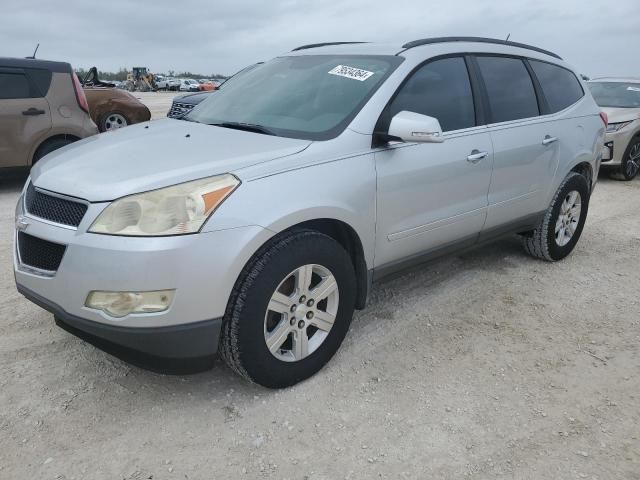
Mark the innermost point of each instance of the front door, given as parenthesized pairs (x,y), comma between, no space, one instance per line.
(431,195)
(24,117)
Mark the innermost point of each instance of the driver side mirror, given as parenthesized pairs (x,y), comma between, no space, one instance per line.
(414,127)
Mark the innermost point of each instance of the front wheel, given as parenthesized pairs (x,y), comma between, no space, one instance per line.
(559,230)
(112,121)
(630,162)
(290,309)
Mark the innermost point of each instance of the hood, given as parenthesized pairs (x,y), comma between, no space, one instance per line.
(153,155)
(619,115)
(193,98)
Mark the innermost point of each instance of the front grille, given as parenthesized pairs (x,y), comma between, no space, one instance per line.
(179,109)
(54,209)
(38,253)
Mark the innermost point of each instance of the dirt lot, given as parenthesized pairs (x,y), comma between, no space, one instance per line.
(158,102)
(486,365)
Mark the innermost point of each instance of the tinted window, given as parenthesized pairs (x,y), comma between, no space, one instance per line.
(42,80)
(13,85)
(440,89)
(560,87)
(509,87)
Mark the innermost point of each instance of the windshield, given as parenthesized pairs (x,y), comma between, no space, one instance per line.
(311,97)
(616,94)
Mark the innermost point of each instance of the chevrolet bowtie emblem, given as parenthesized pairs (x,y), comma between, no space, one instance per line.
(22,223)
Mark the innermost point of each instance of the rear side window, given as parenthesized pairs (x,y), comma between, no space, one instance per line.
(14,85)
(560,86)
(440,89)
(41,79)
(509,88)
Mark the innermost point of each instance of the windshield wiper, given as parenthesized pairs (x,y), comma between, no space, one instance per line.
(248,127)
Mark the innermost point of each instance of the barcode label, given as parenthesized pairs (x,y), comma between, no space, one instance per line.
(351,72)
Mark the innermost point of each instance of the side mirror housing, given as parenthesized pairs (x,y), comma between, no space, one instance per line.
(414,127)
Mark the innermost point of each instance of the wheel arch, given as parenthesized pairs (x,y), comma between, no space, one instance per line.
(585,169)
(43,143)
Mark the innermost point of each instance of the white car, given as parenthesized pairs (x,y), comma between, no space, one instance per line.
(168,83)
(189,85)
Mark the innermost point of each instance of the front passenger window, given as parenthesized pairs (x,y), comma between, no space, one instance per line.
(440,89)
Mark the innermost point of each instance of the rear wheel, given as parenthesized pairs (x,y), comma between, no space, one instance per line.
(560,228)
(49,146)
(290,310)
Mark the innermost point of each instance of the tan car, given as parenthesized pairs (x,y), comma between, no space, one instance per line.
(620,100)
(112,108)
(42,108)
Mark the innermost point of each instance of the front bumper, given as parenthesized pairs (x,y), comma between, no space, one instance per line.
(201,268)
(615,146)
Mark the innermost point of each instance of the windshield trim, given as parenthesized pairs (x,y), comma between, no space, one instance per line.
(394,63)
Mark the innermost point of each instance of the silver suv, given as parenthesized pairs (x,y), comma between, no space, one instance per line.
(258,225)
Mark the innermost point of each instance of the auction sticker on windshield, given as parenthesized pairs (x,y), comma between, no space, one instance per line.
(351,72)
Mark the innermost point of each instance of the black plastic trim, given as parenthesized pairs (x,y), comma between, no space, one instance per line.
(178,347)
(56,67)
(324,44)
(430,41)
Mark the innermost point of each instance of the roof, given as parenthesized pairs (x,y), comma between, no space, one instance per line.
(58,67)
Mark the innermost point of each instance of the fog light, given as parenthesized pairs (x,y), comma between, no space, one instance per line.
(121,304)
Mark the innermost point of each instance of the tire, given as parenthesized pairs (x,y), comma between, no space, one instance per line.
(248,320)
(49,146)
(112,121)
(630,162)
(545,242)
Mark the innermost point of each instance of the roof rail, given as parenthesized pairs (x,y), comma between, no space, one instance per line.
(429,41)
(325,44)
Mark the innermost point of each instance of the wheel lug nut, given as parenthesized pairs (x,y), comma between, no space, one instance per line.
(309,315)
(293,308)
(303,299)
(293,321)
(301,324)
(310,303)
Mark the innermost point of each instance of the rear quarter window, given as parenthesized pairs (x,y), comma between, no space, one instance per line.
(41,80)
(560,86)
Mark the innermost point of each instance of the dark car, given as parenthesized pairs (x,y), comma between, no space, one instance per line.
(182,104)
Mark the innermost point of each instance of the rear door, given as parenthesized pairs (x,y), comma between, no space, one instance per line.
(525,144)
(433,194)
(24,115)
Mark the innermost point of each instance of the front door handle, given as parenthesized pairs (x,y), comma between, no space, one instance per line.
(476,156)
(33,111)
(548,140)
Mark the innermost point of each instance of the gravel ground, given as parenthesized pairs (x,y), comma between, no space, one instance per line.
(158,103)
(484,365)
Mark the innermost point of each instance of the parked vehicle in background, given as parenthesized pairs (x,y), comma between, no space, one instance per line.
(182,104)
(109,107)
(257,225)
(168,83)
(206,85)
(620,100)
(42,108)
(188,85)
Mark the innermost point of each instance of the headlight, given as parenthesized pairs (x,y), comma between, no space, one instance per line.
(175,210)
(616,127)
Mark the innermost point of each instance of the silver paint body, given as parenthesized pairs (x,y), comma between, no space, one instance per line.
(401,200)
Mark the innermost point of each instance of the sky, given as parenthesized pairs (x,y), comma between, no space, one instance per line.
(596,37)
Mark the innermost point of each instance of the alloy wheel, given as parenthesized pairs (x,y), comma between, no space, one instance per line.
(633,161)
(114,121)
(568,218)
(301,313)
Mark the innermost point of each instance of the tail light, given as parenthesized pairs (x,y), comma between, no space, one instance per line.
(605,119)
(80,96)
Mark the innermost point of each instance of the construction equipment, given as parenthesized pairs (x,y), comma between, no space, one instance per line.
(140,80)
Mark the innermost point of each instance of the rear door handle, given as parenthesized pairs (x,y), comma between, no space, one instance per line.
(33,111)
(476,156)
(548,140)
